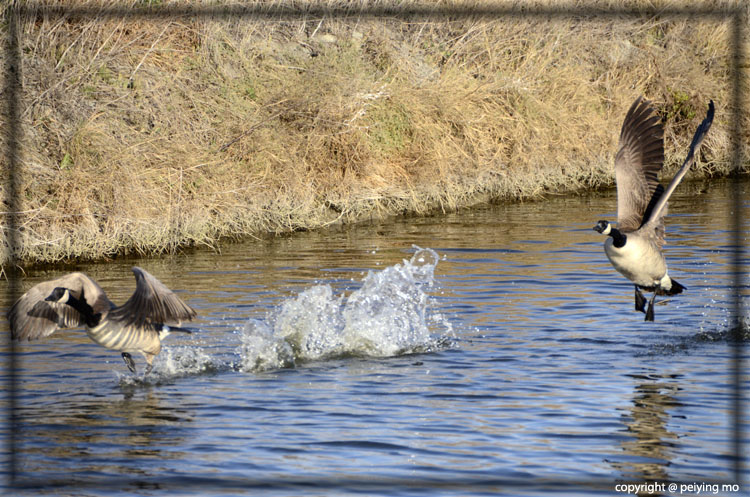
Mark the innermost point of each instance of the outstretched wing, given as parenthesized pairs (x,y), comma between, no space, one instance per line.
(639,159)
(656,214)
(152,302)
(31,317)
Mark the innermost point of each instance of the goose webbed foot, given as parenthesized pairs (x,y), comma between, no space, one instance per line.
(640,301)
(650,311)
(129,362)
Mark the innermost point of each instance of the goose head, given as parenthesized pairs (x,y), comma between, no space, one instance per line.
(603,227)
(60,295)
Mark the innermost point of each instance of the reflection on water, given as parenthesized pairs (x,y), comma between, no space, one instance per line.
(504,357)
(649,447)
(99,436)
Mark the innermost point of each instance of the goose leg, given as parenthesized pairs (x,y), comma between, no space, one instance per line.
(129,361)
(149,361)
(650,311)
(640,301)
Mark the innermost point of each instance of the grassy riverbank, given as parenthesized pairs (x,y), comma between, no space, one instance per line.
(145,136)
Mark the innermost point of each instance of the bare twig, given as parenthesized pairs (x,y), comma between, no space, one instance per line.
(148,52)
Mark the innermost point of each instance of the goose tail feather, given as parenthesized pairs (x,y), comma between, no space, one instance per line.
(676,288)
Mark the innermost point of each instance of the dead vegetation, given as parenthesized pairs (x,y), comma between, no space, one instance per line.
(145,136)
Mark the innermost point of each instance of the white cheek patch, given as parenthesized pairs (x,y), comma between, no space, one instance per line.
(607,230)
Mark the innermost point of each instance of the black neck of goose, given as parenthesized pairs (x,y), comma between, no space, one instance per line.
(85,310)
(618,238)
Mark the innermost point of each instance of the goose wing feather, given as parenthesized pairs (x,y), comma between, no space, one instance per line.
(31,317)
(152,302)
(639,159)
(655,216)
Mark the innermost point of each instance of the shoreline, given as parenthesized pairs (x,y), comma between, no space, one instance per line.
(215,245)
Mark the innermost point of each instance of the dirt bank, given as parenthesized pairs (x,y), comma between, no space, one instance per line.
(146,135)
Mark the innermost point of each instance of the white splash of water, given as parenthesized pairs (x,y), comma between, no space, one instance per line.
(184,360)
(389,315)
(171,363)
(262,350)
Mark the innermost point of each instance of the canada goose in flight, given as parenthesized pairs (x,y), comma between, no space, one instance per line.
(635,247)
(76,300)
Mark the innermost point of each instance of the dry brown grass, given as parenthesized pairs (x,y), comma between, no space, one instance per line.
(144,137)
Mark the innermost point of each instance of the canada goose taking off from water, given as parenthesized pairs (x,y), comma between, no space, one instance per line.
(635,247)
(76,300)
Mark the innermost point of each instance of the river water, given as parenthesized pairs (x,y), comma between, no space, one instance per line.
(493,351)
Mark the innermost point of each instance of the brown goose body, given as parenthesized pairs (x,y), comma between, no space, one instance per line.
(75,300)
(635,246)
